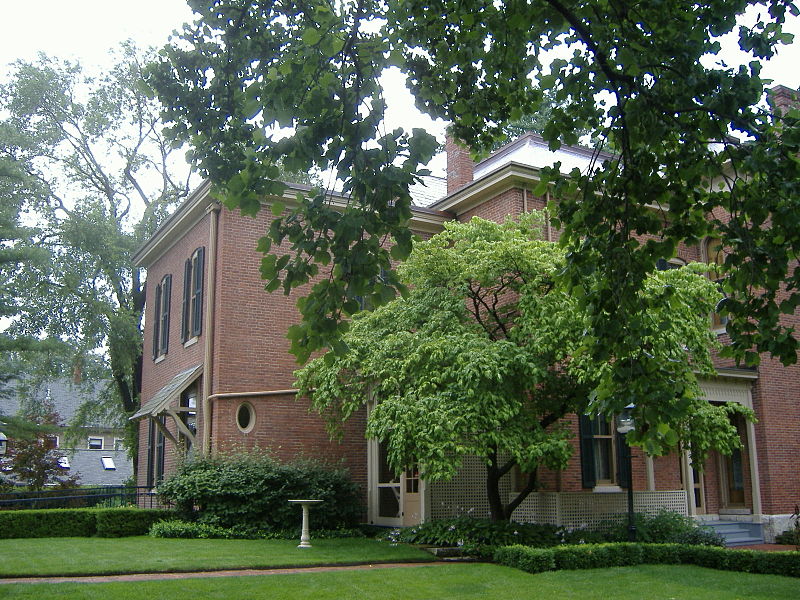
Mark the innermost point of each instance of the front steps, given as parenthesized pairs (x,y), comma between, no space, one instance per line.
(738,533)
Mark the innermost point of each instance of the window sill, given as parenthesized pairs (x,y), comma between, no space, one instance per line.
(159,358)
(190,342)
(608,488)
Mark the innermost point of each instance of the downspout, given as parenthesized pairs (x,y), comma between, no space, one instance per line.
(208,359)
(524,200)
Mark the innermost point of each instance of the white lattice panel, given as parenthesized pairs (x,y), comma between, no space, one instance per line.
(589,509)
(465,494)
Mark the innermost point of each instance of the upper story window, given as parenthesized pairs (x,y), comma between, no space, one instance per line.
(715,256)
(161,320)
(192,315)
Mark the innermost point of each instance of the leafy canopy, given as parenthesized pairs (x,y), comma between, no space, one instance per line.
(84,160)
(489,352)
(646,77)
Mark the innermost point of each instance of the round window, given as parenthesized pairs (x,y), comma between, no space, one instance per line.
(245,417)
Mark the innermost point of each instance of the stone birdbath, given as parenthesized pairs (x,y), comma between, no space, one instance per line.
(305,538)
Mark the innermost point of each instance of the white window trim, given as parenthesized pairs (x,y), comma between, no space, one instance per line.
(89,443)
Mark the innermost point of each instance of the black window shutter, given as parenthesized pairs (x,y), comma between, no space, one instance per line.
(197,312)
(157,322)
(187,298)
(151,448)
(623,472)
(167,293)
(585,429)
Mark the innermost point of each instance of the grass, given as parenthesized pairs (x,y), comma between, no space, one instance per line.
(101,556)
(453,581)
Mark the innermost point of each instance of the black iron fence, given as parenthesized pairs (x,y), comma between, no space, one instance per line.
(100,497)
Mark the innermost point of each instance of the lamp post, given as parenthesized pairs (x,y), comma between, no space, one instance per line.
(626,424)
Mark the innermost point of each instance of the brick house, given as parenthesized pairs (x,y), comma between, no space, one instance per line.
(220,375)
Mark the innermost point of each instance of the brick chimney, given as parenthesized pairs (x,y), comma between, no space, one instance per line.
(459,164)
(780,97)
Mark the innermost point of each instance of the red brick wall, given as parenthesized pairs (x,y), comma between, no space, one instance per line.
(156,375)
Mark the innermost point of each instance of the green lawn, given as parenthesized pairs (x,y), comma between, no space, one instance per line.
(452,581)
(95,556)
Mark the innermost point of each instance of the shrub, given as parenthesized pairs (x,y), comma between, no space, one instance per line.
(791,536)
(78,522)
(525,558)
(477,536)
(590,556)
(123,522)
(185,529)
(54,522)
(667,527)
(661,554)
(585,556)
(188,529)
(251,489)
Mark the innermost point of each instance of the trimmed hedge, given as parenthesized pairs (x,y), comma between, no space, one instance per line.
(595,556)
(195,530)
(124,522)
(78,522)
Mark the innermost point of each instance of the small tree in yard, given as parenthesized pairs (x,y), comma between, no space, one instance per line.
(488,354)
(34,460)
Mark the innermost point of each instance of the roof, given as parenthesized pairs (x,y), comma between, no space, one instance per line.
(164,397)
(66,396)
(88,465)
(428,191)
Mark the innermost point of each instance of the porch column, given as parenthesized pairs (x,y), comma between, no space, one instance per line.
(688,482)
(755,479)
(650,472)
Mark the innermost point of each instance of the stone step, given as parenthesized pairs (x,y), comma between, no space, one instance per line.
(738,533)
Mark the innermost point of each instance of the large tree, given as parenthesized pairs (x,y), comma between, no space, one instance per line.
(697,152)
(88,167)
(488,354)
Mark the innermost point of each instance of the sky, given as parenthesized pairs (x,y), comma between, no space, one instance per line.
(87,29)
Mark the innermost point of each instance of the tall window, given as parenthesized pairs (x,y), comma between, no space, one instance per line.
(155,454)
(715,256)
(192,315)
(161,317)
(189,414)
(602,453)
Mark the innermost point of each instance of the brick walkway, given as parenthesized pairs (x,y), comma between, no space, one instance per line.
(230,573)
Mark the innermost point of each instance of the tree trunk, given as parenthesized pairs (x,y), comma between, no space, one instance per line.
(493,474)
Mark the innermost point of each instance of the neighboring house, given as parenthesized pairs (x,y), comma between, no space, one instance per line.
(99,459)
(220,375)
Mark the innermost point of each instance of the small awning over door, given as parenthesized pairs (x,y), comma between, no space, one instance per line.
(159,403)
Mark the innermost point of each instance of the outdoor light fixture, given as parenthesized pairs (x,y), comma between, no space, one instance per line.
(626,424)
(625,421)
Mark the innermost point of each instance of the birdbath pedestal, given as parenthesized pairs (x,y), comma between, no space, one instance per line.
(305,539)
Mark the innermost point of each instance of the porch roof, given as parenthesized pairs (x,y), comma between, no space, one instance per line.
(163,397)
